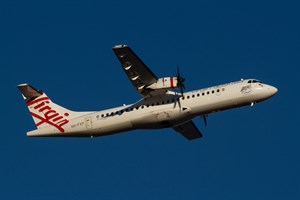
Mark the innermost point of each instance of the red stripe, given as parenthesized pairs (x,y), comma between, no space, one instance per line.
(172,82)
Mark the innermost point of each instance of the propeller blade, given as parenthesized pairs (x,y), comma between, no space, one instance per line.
(205,120)
(180,81)
(183,86)
(181,90)
(177,100)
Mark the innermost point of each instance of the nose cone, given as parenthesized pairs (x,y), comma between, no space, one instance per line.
(273,90)
(263,92)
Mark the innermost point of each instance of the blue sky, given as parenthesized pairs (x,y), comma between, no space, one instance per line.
(64,48)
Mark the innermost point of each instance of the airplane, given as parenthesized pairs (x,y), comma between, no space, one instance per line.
(159,107)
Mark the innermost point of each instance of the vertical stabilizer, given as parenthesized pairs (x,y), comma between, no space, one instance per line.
(44,112)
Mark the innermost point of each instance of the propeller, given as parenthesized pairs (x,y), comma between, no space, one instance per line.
(180,81)
(205,119)
(180,85)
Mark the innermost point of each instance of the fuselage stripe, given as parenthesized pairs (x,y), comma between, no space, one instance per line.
(172,82)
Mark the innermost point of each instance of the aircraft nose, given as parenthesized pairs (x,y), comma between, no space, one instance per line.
(272,90)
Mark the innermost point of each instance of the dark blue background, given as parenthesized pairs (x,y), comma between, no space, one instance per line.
(64,48)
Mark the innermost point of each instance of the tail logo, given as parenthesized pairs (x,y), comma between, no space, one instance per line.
(46,114)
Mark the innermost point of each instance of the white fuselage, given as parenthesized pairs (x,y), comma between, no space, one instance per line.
(168,110)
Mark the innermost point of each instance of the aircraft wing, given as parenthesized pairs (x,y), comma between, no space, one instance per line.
(138,73)
(188,130)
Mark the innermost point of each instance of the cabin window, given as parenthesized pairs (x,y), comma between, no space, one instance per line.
(203,93)
(213,91)
(142,107)
(102,115)
(193,96)
(198,95)
(207,92)
(188,97)
(107,114)
(218,90)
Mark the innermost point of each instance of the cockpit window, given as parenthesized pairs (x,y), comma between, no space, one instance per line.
(254,81)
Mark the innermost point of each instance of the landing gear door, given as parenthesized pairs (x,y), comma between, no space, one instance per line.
(88,123)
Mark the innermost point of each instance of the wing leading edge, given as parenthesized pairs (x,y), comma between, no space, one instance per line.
(188,130)
(138,73)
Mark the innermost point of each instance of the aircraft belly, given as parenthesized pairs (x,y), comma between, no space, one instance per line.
(91,126)
(161,119)
(112,125)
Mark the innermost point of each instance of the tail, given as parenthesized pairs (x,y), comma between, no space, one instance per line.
(44,112)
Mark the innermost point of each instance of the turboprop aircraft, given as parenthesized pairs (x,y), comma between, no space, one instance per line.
(159,107)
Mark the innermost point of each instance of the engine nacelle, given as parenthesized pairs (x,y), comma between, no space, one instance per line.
(164,83)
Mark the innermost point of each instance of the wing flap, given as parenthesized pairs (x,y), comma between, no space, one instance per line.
(188,130)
